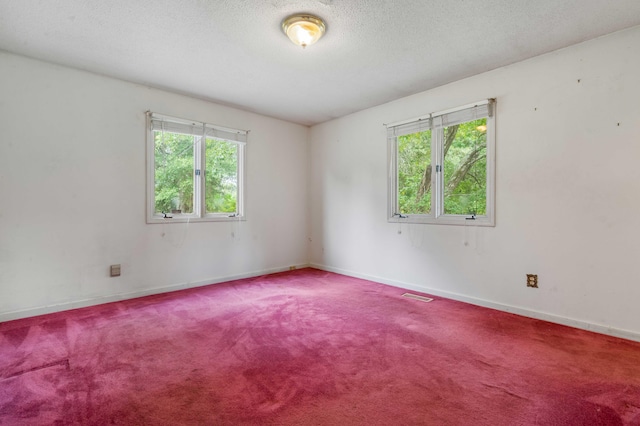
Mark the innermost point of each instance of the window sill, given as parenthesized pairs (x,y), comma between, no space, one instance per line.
(193,219)
(445,220)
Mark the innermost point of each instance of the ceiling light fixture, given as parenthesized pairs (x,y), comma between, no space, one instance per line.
(303,29)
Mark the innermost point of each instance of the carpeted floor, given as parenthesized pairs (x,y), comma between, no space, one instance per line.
(310,348)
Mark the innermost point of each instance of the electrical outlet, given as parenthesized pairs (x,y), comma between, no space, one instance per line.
(532,280)
(115,270)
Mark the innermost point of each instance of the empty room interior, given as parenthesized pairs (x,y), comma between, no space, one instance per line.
(320,212)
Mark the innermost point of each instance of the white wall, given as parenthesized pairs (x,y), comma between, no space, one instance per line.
(72,193)
(568,192)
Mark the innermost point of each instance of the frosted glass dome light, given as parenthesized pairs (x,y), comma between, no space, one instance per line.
(303,30)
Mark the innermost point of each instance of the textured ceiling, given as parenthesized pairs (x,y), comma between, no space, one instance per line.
(233,52)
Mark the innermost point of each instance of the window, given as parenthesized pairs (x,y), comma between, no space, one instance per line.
(441,167)
(195,171)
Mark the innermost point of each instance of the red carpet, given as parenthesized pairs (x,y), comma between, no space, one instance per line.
(310,348)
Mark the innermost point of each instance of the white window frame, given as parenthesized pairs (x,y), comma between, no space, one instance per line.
(237,137)
(436,122)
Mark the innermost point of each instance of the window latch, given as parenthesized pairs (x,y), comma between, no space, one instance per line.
(400,215)
(473,217)
(164,216)
(197,172)
(438,168)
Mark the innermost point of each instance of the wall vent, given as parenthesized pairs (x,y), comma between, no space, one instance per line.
(416,297)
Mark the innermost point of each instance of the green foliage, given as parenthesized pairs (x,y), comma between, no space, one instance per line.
(464,168)
(414,160)
(221,180)
(174,174)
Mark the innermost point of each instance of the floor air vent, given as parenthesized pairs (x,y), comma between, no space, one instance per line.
(416,297)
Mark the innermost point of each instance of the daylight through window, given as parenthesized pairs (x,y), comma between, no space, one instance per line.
(441,167)
(195,172)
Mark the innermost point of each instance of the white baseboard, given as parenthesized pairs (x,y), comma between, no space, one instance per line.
(597,328)
(584,325)
(32,312)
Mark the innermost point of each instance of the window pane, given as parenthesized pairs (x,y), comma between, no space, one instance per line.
(414,173)
(465,168)
(221,180)
(173,172)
